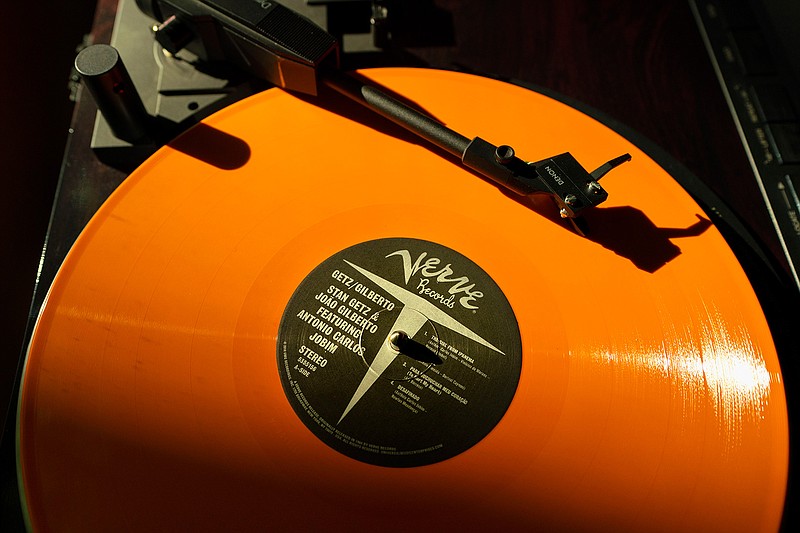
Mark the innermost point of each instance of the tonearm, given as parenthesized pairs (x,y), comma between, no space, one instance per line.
(276,44)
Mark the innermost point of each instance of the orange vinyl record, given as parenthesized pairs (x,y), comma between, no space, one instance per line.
(299,317)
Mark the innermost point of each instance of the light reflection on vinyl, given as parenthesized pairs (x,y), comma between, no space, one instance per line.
(622,381)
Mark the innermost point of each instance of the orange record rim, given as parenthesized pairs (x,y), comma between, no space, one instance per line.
(649,394)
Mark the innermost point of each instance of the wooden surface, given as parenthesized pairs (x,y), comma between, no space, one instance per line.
(640,63)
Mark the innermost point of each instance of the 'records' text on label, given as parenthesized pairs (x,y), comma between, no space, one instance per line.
(429,269)
(384,358)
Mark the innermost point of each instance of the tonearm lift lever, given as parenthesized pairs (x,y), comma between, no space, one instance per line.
(274,43)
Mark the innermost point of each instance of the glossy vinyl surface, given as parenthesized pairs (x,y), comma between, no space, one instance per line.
(650,396)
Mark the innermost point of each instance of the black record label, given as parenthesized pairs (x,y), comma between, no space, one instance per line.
(399,352)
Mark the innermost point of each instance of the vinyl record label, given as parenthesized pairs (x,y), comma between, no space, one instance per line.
(336,342)
(399,352)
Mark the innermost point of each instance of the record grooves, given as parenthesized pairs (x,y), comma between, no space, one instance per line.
(639,375)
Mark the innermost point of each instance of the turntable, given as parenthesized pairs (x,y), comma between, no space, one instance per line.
(298,314)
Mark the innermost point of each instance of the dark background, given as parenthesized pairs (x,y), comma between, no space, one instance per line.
(38,46)
(641,63)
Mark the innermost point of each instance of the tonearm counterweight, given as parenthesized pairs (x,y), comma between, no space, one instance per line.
(274,43)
